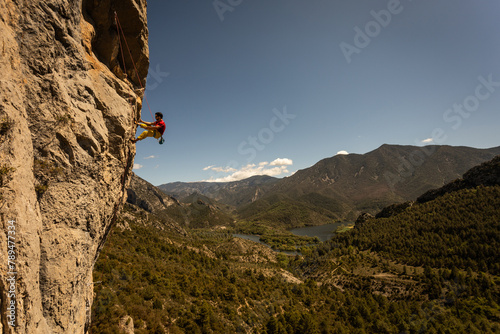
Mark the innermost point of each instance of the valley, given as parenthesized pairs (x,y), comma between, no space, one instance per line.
(428,265)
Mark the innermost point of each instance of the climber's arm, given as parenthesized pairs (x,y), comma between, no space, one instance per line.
(148,126)
(147,123)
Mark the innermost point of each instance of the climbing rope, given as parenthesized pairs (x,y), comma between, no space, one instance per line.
(120,31)
(121,47)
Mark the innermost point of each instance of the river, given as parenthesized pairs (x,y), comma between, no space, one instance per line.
(322,232)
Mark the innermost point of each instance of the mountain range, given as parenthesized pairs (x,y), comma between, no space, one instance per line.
(193,211)
(428,265)
(235,193)
(343,186)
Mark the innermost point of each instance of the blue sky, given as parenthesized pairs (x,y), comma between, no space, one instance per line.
(253,87)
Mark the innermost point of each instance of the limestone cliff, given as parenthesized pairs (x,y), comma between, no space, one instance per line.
(68,102)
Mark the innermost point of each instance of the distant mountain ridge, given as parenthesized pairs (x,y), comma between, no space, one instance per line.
(194,211)
(234,193)
(343,186)
(368,182)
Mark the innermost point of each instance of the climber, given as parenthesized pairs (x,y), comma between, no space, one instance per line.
(153,129)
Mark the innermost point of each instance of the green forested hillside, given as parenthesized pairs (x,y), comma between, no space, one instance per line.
(449,247)
(202,212)
(460,229)
(286,213)
(207,284)
(429,266)
(428,269)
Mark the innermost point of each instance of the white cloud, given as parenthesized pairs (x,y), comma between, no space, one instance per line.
(342,152)
(150,157)
(426,141)
(220,169)
(137,166)
(263,168)
(282,162)
(223,169)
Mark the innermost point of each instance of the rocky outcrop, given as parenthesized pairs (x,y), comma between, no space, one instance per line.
(148,197)
(67,110)
(363,219)
(154,206)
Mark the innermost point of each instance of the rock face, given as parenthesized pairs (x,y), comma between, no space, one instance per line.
(67,110)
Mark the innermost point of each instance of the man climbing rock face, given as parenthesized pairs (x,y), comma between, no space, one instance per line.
(153,129)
